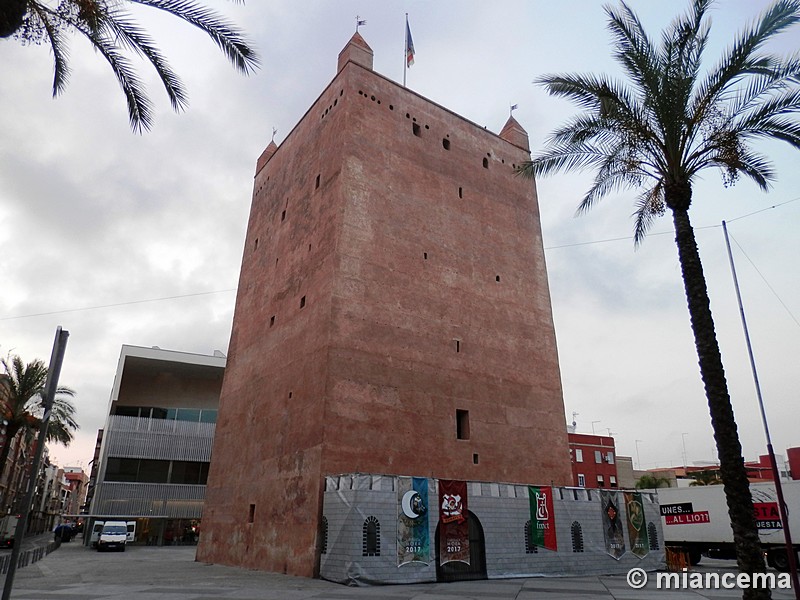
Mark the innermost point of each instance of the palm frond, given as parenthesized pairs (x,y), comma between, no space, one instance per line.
(633,48)
(649,206)
(57,44)
(755,166)
(739,59)
(229,39)
(140,111)
(134,37)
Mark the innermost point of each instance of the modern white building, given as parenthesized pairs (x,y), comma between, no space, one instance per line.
(157,441)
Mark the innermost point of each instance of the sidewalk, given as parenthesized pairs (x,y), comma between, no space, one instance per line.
(170,573)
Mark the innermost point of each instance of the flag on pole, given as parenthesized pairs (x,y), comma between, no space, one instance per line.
(409,46)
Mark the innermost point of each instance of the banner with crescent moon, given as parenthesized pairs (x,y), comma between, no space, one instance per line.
(637,530)
(453,524)
(543,522)
(413,535)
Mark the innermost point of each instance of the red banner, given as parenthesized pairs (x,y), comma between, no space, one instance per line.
(453,524)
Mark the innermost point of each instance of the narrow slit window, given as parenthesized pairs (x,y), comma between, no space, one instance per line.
(425,255)
(462,424)
(302,302)
(497,277)
(251,517)
(290,394)
(316,184)
(272,320)
(475,459)
(485,163)
(255,246)
(460,192)
(446,144)
(458,345)
(283,216)
(416,129)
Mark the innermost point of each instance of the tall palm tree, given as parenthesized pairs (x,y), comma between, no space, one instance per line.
(656,131)
(111,30)
(21,405)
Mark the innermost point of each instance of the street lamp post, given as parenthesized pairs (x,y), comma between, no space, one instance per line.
(790,553)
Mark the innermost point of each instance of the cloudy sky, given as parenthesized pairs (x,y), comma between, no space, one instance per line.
(136,239)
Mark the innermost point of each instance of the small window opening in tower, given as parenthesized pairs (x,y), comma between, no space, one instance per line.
(272,320)
(462,424)
(309,247)
(416,129)
(485,163)
(290,394)
(251,517)
(425,255)
(426,127)
(458,345)
(255,246)
(446,144)
(460,192)
(316,185)
(283,216)
(302,302)
(497,277)
(475,459)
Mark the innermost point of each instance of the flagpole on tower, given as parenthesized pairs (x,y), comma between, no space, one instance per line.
(405,54)
(409,51)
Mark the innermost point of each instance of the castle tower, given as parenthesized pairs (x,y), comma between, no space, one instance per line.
(393,316)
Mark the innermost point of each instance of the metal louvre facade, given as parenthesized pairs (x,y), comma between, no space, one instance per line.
(161,439)
(150,500)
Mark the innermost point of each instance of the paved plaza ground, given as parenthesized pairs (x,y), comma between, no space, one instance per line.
(74,572)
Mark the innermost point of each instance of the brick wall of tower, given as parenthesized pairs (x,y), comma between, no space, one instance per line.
(396,236)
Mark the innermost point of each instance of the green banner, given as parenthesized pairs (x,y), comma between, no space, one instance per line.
(637,524)
(543,524)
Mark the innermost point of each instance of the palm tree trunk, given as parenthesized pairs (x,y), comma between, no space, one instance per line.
(732,471)
(11,433)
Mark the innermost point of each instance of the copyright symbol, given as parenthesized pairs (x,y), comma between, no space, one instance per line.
(637,578)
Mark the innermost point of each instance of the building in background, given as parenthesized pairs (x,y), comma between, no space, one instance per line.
(156,443)
(78,481)
(593,458)
(393,317)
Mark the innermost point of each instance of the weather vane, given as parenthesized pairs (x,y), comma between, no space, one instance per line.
(274,131)
(359,22)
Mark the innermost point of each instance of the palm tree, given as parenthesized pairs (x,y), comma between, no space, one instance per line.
(21,389)
(110,29)
(648,481)
(708,477)
(656,131)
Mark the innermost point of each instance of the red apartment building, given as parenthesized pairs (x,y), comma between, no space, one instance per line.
(593,459)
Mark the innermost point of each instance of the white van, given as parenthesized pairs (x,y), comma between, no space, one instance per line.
(131,531)
(113,536)
(97,527)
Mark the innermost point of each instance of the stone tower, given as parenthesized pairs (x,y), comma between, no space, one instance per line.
(393,316)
